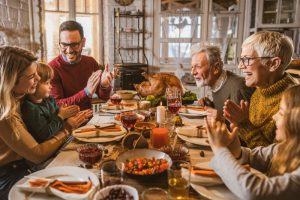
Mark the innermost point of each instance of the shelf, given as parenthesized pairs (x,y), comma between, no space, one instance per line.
(270,12)
(129,15)
(129,48)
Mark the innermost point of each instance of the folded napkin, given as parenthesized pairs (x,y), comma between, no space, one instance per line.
(191,131)
(92,131)
(203,175)
(196,108)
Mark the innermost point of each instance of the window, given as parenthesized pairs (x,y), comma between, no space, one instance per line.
(180,27)
(86,12)
(184,23)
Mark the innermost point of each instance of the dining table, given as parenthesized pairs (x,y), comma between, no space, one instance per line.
(68,156)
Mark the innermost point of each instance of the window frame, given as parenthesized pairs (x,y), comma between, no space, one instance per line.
(206,14)
(72,16)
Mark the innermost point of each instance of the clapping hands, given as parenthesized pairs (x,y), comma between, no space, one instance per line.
(68,111)
(234,113)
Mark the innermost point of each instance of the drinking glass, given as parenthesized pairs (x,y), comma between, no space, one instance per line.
(115,99)
(128,119)
(174,102)
(179,175)
(155,193)
(110,173)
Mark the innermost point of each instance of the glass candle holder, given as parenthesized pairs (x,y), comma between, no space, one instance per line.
(159,137)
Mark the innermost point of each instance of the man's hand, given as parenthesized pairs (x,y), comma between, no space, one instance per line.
(93,82)
(68,111)
(205,101)
(107,77)
(236,113)
(80,118)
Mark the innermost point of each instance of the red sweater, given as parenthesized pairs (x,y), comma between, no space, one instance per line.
(70,80)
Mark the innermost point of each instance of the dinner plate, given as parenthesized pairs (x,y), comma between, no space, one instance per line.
(215,191)
(106,136)
(113,109)
(194,140)
(72,172)
(101,139)
(192,113)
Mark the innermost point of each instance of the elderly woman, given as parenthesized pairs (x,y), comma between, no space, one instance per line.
(18,76)
(264,58)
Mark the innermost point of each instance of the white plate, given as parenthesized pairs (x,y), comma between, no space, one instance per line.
(217,192)
(101,139)
(190,112)
(71,172)
(194,140)
(205,180)
(105,191)
(113,109)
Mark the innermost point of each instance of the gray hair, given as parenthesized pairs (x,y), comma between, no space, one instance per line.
(213,53)
(271,44)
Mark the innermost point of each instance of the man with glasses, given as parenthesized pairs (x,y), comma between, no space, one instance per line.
(207,69)
(264,58)
(77,77)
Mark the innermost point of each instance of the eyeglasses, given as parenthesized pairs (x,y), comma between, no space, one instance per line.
(246,60)
(74,45)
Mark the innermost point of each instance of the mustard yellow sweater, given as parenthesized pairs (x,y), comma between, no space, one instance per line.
(264,103)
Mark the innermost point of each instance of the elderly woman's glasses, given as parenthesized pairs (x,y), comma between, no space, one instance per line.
(74,45)
(246,60)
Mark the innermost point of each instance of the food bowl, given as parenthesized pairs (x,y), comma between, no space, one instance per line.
(90,153)
(126,94)
(140,126)
(117,192)
(162,160)
(180,152)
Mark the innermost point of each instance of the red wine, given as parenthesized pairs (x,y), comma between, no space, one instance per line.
(174,107)
(115,100)
(129,120)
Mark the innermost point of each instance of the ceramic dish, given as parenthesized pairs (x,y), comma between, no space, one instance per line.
(103,193)
(142,153)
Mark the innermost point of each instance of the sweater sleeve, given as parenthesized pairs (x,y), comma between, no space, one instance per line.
(58,93)
(15,135)
(248,185)
(257,136)
(40,126)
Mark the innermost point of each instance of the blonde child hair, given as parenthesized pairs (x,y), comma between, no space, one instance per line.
(288,157)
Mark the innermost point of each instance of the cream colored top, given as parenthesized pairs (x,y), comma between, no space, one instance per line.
(17,143)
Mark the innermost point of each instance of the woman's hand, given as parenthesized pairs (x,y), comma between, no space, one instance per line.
(68,111)
(234,113)
(80,118)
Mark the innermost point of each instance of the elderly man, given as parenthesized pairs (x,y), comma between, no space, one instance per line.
(77,77)
(207,68)
(263,60)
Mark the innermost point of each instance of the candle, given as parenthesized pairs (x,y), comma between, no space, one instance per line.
(159,137)
(160,114)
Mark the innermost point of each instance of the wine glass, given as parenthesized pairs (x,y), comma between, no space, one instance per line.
(174,102)
(128,119)
(116,99)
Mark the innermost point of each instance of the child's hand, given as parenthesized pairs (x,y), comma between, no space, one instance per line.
(67,112)
(80,118)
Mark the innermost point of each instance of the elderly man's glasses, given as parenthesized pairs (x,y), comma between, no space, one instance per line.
(73,45)
(246,60)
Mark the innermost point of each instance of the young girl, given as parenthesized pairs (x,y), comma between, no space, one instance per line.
(280,162)
(40,113)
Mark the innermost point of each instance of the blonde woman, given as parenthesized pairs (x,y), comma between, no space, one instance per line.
(18,77)
(280,162)
(42,116)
